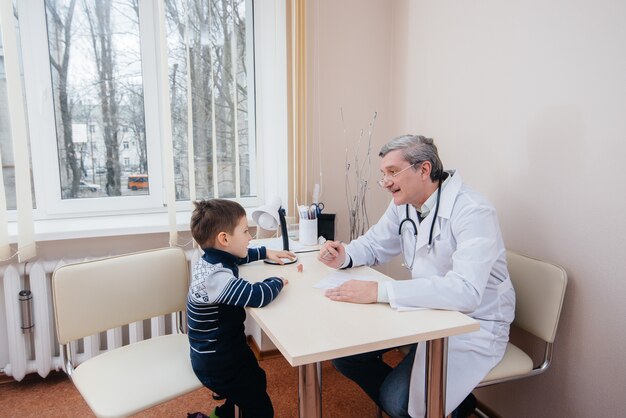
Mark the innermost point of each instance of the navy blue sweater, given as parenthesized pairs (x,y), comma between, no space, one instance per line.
(216,301)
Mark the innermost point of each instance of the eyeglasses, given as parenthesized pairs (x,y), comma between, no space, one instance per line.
(389,177)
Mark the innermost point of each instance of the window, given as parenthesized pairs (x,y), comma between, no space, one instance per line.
(92,88)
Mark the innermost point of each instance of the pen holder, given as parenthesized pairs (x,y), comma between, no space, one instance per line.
(308,231)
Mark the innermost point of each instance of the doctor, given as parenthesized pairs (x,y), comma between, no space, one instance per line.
(450,240)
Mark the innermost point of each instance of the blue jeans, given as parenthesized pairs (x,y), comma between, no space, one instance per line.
(387,386)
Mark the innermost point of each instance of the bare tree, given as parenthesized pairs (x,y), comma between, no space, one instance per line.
(225,109)
(99,18)
(242,101)
(136,124)
(218,96)
(61,27)
(179,122)
(175,12)
(200,66)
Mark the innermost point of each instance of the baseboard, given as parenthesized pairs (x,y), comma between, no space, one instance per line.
(5,379)
(262,355)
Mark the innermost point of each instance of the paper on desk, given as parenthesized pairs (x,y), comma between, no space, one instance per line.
(338,278)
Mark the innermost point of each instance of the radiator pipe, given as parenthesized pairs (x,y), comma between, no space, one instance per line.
(26,306)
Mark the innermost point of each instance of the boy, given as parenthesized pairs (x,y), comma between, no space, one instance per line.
(220,356)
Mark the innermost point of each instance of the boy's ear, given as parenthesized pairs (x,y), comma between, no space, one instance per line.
(222,239)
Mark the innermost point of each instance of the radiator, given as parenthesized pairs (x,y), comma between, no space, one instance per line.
(36,350)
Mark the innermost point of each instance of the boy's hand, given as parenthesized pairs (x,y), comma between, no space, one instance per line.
(285,281)
(277,255)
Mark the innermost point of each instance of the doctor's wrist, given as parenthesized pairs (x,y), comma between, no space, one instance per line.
(347,262)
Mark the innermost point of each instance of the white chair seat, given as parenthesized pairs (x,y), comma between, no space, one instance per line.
(126,380)
(514,363)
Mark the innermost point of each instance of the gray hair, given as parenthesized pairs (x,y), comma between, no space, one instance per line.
(416,149)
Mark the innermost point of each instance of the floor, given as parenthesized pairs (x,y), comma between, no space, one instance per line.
(55,396)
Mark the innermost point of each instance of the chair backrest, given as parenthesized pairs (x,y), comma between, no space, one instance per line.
(94,296)
(539,289)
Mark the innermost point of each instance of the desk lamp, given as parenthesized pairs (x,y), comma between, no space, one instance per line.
(270,216)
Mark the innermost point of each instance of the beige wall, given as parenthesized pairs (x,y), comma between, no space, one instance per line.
(349,68)
(528,100)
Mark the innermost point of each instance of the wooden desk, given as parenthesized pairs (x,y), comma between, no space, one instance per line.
(308,328)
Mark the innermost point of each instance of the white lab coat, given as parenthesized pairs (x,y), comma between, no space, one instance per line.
(465,270)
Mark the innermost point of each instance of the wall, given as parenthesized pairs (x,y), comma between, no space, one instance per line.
(527,99)
(349,70)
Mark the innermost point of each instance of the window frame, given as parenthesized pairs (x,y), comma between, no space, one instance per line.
(268,89)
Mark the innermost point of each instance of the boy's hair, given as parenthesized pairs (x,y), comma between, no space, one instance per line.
(210,217)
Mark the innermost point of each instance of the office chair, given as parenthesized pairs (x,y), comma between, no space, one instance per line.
(94,296)
(539,290)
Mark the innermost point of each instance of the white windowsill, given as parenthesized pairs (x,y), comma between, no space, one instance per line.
(102,226)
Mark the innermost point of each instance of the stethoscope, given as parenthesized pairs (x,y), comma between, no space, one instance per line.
(410,222)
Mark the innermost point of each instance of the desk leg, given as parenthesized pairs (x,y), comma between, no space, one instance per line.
(310,390)
(436,372)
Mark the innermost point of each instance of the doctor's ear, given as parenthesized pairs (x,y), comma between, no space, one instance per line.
(425,168)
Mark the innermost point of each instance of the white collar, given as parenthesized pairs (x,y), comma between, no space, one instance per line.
(430,203)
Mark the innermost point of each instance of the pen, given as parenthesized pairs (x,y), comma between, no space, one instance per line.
(327,253)
(303,212)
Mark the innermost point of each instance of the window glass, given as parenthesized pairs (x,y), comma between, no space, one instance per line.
(95,60)
(209,55)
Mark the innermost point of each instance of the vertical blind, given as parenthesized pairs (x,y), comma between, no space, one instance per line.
(19,135)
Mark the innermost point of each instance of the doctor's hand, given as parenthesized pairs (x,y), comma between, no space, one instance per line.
(355,291)
(277,255)
(332,254)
